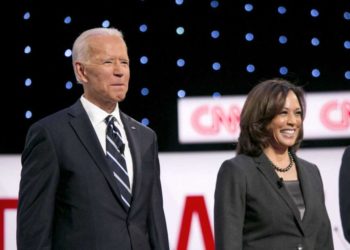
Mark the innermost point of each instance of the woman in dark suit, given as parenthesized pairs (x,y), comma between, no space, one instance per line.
(266,197)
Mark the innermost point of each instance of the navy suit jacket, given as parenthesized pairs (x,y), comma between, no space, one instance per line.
(68,199)
(344,197)
(254,211)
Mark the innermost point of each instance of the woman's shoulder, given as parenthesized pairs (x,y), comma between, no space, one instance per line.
(242,158)
(305,163)
(308,166)
(238,162)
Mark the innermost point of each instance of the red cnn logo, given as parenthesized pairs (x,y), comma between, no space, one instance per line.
(336,107)
(195,205)
(217,118)
(5,204)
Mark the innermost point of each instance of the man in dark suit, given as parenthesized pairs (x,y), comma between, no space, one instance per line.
(71,193)
(344,197)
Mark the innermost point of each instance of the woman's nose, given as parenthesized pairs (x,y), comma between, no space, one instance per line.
(292,119)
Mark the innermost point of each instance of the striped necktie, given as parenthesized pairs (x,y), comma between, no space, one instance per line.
(116,160)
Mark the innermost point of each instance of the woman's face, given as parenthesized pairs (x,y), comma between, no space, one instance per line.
(285,126)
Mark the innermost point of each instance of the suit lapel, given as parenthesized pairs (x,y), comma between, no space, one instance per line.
(82,126)
(264,166)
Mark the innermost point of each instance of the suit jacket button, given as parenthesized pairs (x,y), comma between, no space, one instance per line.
(300,247)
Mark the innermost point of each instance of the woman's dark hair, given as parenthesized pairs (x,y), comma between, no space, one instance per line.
(263,103)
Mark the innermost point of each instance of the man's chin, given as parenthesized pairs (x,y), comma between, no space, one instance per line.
(120,98)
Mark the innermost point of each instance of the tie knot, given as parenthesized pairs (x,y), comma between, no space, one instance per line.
(110,119)
(114,133)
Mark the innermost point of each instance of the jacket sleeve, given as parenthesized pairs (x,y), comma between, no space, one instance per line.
(156,222)
(344,198)
(324,239)
(229,207)
(39,179)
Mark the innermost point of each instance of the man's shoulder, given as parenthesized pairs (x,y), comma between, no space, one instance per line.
(56,118)
(134,124)
(347,151)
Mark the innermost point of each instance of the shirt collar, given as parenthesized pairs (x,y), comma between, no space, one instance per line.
(98,115)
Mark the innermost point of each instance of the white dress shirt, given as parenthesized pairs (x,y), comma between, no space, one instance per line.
(97,117)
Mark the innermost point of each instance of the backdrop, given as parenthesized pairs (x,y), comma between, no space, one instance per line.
(188,181)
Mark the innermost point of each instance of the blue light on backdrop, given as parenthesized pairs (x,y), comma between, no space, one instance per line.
(181,48)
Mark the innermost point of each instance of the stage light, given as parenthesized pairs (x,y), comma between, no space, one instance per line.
(283,70)
(69,85)
(215,34)
(179,2)
(106,24)
(216,66)
(347,15)
(144,60)
(143,27)
(181,93)
(180,62)
(26,15)
(145,121)
(281,10)
(282,39)
(250,68)
(314,13)
(347,75)
(28,82)
(315,41)
(28,114)
(67,20)
(27,49)
(248,7)
(68,53)
(315,73)
(249,37)
(144,91)
(180,30)
(214,4)
(216,95)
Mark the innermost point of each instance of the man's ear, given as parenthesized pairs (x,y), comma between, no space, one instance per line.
(80,72)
